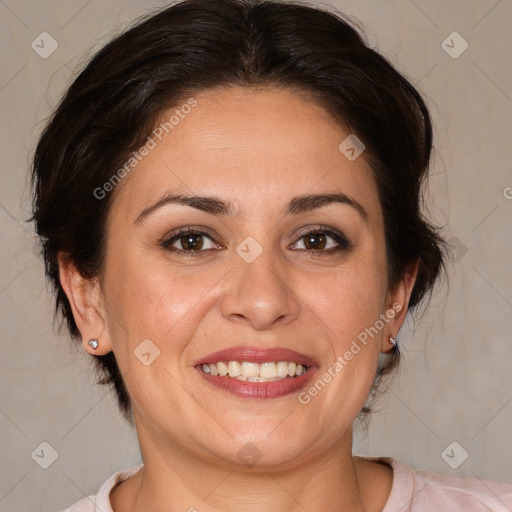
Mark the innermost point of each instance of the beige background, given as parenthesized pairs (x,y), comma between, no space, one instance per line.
(455,382)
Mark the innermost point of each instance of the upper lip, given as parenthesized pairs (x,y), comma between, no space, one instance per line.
(256,355)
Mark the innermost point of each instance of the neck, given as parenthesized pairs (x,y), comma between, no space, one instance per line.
(176,480)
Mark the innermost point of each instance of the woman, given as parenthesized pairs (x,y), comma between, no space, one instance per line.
(228,200)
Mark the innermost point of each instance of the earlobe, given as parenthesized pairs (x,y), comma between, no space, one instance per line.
(84,296)
(398,302)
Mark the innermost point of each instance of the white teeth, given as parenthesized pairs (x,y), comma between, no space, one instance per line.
(223,369)
(234,368)
(258,379)
(282,369)
(250,369)
(255,372)
(268,370)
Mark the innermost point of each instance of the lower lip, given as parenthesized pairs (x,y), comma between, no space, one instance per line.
(260,390)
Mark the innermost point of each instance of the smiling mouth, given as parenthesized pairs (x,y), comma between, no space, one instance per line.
(255,372)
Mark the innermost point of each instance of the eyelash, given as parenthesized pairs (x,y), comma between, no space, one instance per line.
(344,244)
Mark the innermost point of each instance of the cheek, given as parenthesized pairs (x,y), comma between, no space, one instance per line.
(151,300)
(349,309)
(348,300)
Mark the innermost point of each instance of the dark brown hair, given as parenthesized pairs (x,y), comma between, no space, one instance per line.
(116,101)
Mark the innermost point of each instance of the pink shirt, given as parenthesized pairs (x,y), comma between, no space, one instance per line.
(412,491)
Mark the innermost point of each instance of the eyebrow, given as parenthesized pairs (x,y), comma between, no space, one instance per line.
(216,206)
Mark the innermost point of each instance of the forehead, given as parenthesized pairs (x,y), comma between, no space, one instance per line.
(252,147)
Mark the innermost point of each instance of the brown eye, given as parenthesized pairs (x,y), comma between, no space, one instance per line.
(315,241)
(192,242)
(189,241)
(323,241)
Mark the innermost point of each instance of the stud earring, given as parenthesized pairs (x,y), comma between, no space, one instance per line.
(93,343)
(392,340)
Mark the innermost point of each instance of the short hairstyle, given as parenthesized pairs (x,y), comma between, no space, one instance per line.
(195,45)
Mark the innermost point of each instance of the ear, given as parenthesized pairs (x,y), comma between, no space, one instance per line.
(397,304)
(85,298)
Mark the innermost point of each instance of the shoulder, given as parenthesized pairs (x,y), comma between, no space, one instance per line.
(421,490)
(101,500)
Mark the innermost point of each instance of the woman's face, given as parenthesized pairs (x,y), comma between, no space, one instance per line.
(251,288)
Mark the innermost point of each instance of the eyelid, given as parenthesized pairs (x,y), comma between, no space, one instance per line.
(198,230)
(336,235)
(173,236)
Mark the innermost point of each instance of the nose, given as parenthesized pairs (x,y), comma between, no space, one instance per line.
(260,294)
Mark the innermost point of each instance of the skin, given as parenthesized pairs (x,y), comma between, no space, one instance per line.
(257,149)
